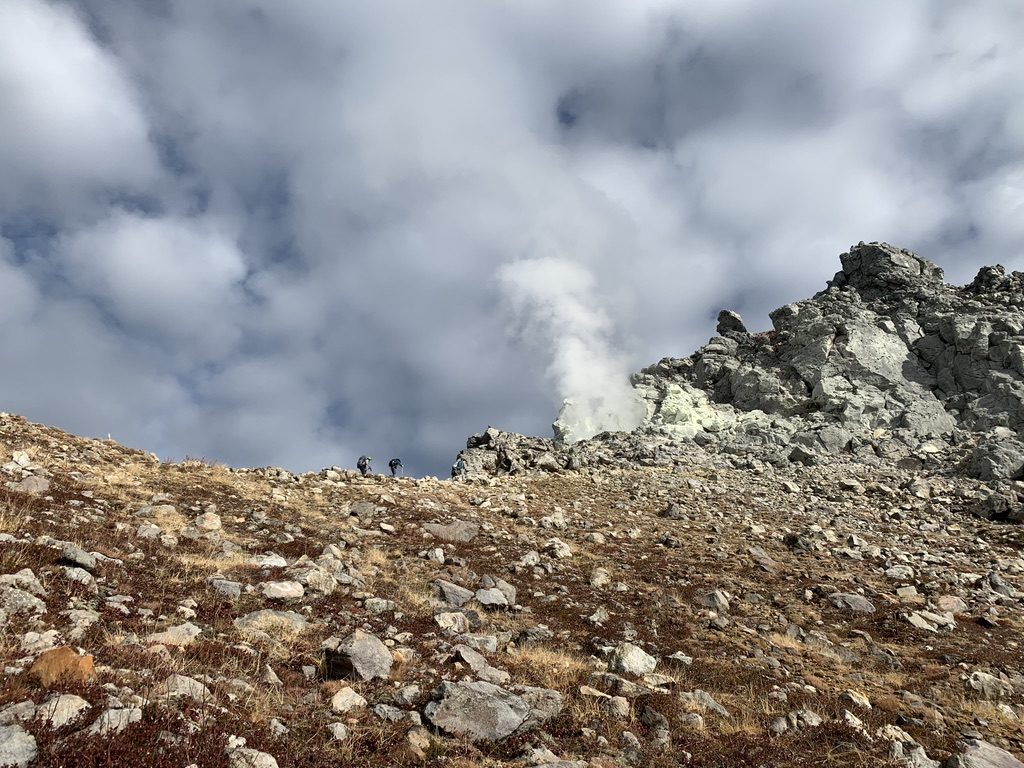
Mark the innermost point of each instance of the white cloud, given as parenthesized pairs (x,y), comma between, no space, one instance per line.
(71,124)
(165,278)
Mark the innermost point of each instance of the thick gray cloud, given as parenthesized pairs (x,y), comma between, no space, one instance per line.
(290,233)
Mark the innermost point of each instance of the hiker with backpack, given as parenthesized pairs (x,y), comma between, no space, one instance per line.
(395,465)
(363,465)
(459,468)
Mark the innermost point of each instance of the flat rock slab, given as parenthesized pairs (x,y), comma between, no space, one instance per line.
(34,485)
(180,686)
(181,635)
(115,721)
(458,531)
(481,711)
(269,620)
(478,711)
(62,710)
(851,602)
(282,590)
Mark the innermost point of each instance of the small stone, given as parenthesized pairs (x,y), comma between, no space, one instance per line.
(79,557)
(491,598)
(346,700)
(856,698)
(207,522)
(339,732)
(557,549)
(851,602)
(452,622)
(716,600)
(180,635)
(282,590)
(360,655)
(270,676)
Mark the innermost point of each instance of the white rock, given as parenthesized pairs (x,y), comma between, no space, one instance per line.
(208,521)
(282,590)
(115,721)
(180,635)
(62,710)
(17,747)
(346,700)
(180,686)
(632,659)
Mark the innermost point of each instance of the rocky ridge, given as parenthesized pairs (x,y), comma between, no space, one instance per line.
(887,367)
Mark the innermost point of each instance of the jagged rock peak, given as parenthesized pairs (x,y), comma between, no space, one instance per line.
(879,267)
(886,366)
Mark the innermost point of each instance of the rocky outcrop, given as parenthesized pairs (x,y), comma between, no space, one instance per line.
(887,364)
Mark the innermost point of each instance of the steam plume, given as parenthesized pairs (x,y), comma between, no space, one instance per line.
(556,301)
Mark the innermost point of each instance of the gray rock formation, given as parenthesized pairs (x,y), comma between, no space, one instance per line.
(888,364)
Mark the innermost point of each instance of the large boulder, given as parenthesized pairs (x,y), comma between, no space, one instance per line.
(359,656)
(481,711)
(997,460)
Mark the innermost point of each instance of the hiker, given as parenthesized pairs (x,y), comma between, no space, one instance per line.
(459,468)
(363,465)
(394,465)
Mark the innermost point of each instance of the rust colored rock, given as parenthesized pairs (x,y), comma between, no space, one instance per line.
(63,664)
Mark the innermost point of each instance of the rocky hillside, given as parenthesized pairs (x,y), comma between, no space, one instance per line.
(667,600)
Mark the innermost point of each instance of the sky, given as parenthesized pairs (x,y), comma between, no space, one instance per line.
(269,233)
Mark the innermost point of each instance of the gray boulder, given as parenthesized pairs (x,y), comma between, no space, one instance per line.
(997,460)
(359,656)
(851,602)
(457,531)
(481,711)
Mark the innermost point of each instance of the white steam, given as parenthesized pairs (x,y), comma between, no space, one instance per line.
(556,302)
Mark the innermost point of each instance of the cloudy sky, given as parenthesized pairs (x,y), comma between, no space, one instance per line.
(288,233)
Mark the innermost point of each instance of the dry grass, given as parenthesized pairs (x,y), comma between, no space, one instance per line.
(170,521)
(416,599)
(750,719)
(13,515)
(550,667)
(206,564)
